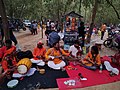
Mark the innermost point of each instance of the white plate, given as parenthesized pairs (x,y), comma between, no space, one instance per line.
(12,83)
(83,78)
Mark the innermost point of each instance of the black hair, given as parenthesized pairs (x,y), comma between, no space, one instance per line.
(95,49)
(76,42)
(55,43)
(82,23)
(8,41)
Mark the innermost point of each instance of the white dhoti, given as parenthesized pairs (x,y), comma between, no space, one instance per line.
(29,73)
(52,65)
(38,62)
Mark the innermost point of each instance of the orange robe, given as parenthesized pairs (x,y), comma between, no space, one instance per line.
(39,52)
(5,64)
(3,50)
(54,52)
(89,56)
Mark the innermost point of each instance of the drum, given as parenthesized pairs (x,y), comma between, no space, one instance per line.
(24,65)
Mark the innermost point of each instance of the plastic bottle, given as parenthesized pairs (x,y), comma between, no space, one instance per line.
(101,67)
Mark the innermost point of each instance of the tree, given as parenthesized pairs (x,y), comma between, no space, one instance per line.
(95,7)
(4,20)
(113,8)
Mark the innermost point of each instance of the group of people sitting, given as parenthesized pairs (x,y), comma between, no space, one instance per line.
(55,57)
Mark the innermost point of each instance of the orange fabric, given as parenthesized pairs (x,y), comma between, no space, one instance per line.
(9,51)
(5,64)
(89,55)
(53,52)
(103,27)
(39,52)
(3,50)
(4,61)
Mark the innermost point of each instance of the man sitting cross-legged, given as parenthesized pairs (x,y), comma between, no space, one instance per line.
(53,55)
(39,54)
(75,51)
(92,60)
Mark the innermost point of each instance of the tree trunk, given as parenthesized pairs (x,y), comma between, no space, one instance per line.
(113,8)
(85,13)
(58,11)
(4,20)
(80,7)
(92,21)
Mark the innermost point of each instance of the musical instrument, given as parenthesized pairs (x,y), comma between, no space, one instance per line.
(12,83)
(69,58)
(89,60)
(24,65)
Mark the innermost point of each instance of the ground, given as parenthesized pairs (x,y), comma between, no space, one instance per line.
(28,42)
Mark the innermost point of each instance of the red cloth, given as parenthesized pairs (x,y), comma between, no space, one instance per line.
(105,58)
(93,78)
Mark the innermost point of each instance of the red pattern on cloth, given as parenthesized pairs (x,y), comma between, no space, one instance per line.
(93,78)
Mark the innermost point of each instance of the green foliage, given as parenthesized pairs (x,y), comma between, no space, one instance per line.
(54,9)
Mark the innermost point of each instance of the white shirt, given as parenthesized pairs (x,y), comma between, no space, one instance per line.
(48,24)
(52,24)
(74,50)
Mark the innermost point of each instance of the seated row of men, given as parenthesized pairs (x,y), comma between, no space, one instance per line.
(54,57)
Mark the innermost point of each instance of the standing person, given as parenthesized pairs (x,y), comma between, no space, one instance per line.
(56,25)
(92,60)
(12,36)
(103,28)
(81,32)
(52,25)
(48,25)
(34,26)
(52,38)
(53,55)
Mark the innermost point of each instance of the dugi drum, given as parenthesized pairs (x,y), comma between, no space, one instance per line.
(24,65)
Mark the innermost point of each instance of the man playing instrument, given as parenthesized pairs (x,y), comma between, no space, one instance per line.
(9,61)
(8,45)
(92,60)
(75,51)
(53,55)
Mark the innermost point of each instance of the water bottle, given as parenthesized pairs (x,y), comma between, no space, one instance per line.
(101,67)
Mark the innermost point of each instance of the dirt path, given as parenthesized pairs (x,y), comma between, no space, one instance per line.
(28,41)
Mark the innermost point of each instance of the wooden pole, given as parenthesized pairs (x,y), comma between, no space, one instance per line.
(4,20)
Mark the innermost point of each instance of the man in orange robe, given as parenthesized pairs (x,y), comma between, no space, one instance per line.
(9,61)
(92,59)
(8,45)
(53,55)
(39,54)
